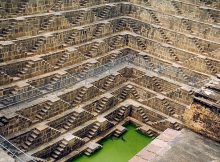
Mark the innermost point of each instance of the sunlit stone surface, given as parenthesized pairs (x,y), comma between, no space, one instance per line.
(74,72)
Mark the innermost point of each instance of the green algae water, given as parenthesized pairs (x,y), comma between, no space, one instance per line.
(119,149)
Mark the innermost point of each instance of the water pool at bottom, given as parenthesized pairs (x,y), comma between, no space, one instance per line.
(119,149)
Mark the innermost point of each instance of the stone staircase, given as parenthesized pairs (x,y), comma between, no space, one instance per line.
(44,111)
(181,73)
(167,106)
(154,17)
(30,139)
(63,59)
(26,69)
(151,133)
(105,12)
(116,41)
(71,38)
(55,78)
(198,45)
(187,25)
(120,114)
(92,132)
(134,92)
(93,49)
(79,18)
(23,5)
(78,99)
(148,61)
(172,54)
(124,94)
(98,30)
(85,69)
(109,82)
(57,5)
(57,153)
(101,105)
(113,56)
(119,131)
(8,30)
(210,66)
(164,36)
(46,24)
(176,7)
(157,84)
(190,60)
(92,148)
(83,3)
(53,81)
(141,43)
(37,45)
(70,121)
(47,46)
(120,25)
(177,126)
(143,115)
(133,25)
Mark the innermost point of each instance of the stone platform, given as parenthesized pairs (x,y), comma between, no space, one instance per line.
(179,146)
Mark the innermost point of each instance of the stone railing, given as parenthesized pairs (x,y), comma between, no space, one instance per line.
(15,152)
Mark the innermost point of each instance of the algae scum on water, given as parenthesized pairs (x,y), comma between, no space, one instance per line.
(119,149)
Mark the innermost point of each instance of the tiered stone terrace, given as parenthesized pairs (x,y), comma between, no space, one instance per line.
(72,71)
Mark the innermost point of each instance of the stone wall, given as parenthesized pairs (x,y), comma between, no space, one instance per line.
(71,70)
(202,120)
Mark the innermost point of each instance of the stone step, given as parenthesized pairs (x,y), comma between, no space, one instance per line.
(60,148)
(54,156)
(30,139)
(94,129)
(27,143)
(63,144)
(39,116)
(96,126)
(66,127)
(57,152)
(116,119)
(89,136)
(120,114)
(24,146)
